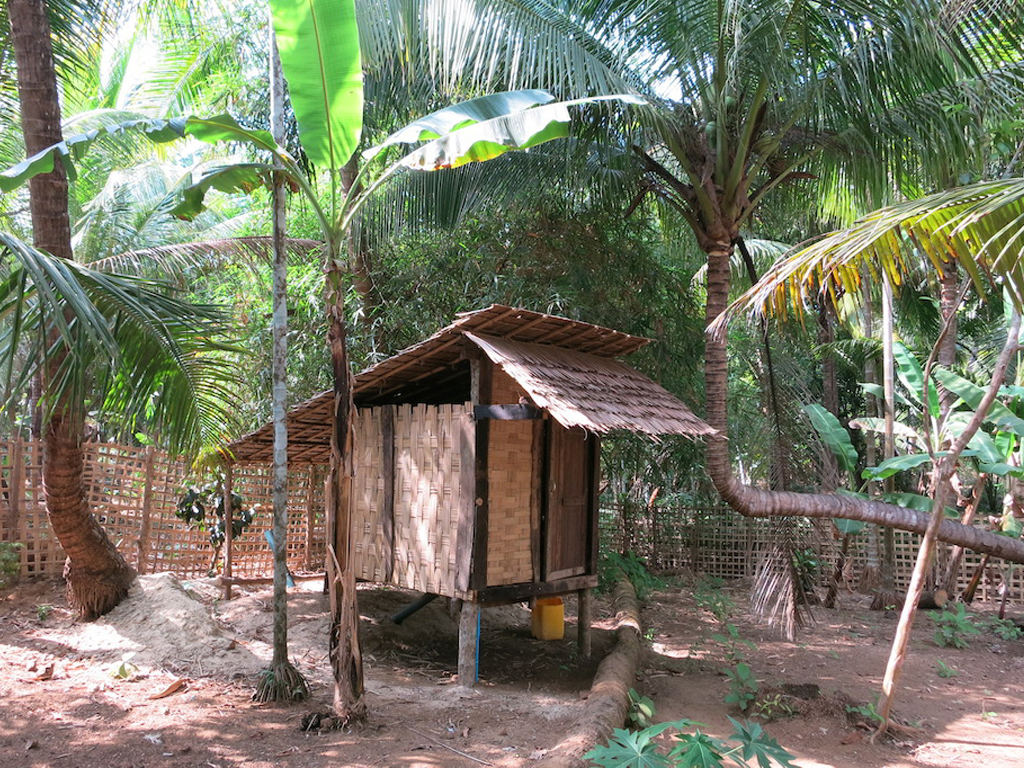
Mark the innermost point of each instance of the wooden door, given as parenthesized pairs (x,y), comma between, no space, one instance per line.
(567,526)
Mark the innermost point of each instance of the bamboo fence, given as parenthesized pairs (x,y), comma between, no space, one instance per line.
(134,491)
(716,541)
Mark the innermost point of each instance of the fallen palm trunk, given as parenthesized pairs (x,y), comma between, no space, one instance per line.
(608,702)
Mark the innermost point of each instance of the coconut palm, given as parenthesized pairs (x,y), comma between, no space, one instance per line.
(122,339)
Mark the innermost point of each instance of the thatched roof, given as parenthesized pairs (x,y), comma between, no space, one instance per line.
(564,364)
(596,393)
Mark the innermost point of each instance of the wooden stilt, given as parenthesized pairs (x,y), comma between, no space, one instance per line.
(469,624)
(583,621)
(228,531)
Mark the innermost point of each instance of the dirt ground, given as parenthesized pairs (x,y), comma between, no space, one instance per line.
(86,695)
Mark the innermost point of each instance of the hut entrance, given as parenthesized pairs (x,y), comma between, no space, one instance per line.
(569,503)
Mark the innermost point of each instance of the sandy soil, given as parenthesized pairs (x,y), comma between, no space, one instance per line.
(83,695)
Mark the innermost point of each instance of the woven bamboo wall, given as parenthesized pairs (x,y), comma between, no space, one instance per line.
(510,470)
(427,501)
(718,542)
(371,545)
(134,491)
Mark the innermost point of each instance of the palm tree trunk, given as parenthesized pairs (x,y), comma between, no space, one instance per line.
(97,575)
(755,502)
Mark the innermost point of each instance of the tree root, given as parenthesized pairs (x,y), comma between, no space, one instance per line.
(91,594)
(885,600)
(608,702)
(281,682)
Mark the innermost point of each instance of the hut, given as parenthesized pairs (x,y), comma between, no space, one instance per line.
(477,457)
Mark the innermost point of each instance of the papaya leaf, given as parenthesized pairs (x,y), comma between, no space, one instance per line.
(628,750)
(319,45)
(831,431)
(697,750)
(757,744)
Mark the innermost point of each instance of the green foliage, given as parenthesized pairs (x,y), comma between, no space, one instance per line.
(43,612)
(868,711)
(10,563)
(743,686)
(954,628)
(686,750)
(773,707)
(834,435)
(943,670)
(709,597)
(1005,629)
(634,568)
(733,643)
(641,710)
(197,502)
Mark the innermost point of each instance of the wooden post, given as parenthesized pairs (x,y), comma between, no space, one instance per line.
(307,557)
(583,622)
(469,628)
(17,493)
(228,533)
(147,504)
(387,512)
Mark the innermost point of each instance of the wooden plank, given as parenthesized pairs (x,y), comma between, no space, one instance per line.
(16,493)
(307,553)
(467,503)
(482,379)
(584,620)
(517,593)
(538,498)
(566,550)
(387,511)
(147,506)
(518,412)
(228,532)
(594,518)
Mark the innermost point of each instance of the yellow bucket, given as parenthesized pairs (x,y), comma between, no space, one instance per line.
(548,618)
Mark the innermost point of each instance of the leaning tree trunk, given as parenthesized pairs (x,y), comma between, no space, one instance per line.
(755,502)
(281,681)
(97,575)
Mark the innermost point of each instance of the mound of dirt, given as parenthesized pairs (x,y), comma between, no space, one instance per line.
(159,626)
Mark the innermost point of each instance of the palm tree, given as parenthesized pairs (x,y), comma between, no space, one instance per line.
(139,339)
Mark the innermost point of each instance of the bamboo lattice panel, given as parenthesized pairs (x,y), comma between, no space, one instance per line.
(510,469)
(427,467)
(718,542)
(371,549)
(134,494)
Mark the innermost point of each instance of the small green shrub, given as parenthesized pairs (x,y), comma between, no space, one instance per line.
(751,745)
(709,597)
(733,643)
(773,707)
(944,670)
(954,628)
(743,686)
(868,711)
(43,612)
(635,569)
(1005,629)
(641,710)
(10,563)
